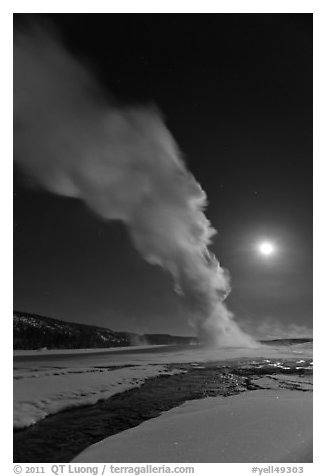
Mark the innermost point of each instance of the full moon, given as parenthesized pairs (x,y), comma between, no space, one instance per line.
(266,248)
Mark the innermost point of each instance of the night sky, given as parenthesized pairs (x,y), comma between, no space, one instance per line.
(236,93)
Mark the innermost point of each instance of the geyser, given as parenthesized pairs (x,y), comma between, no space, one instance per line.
(125,165)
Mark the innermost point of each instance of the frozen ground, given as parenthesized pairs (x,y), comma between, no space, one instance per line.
(159,354)
(40,393)
(47,382)
(264,426)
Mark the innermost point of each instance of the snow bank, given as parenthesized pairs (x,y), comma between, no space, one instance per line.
(260,426)
(38,393)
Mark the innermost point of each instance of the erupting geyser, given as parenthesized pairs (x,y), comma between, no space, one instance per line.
(124,164)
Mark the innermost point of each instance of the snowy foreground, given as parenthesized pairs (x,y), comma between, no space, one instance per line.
(262,426)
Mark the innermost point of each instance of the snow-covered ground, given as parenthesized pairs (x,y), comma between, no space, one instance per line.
(264,426)
(49,381)
(53,352)
(158,354)
(40,393)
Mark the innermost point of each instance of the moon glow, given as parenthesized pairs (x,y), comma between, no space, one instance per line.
(266,248)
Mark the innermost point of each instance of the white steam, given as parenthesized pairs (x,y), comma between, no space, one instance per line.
(124,164)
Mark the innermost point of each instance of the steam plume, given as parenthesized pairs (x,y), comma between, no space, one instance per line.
(124,164)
